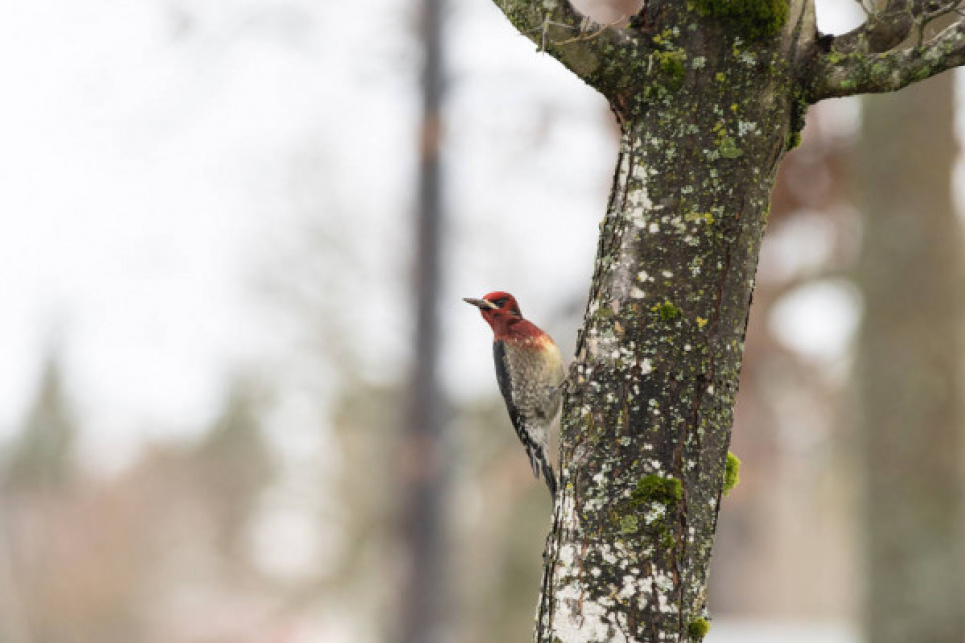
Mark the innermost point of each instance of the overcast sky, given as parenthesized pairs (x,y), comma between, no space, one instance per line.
(158,160)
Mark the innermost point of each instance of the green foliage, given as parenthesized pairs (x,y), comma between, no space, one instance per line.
(731,472)
(753,19)
(698,628)
(42,456)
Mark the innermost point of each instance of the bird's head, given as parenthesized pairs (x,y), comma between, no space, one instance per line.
(497,308)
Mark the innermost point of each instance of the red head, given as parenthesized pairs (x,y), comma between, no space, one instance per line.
(502,313)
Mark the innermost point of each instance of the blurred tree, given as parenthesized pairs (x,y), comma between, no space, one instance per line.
(72,570)
(422,467)
(40,463)
(909,373)
(501,519)
(234,465)
(42,457)
(709,96)
(84,560)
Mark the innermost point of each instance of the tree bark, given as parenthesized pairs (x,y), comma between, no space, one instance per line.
(709,97)
(909,372)
(647,423)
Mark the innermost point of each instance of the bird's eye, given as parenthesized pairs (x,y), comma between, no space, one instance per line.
(500,302)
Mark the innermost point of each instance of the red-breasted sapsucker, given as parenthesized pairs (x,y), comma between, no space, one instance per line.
(529,370)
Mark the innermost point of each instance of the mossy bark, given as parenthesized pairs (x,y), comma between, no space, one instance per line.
(709,96)
(659,356)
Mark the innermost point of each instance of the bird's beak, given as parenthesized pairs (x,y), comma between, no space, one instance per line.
(481,304)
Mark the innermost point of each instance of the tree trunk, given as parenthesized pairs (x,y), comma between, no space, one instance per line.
(709,95)
(909,369)
(423,472)
(647,424)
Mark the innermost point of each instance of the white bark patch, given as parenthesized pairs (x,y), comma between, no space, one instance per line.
(602,344)
(577,618)
(633,215)
(574,622)
(747,127)
(656,513)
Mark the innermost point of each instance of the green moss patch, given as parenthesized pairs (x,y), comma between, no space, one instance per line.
(697,629)
(752,19)
(731,472)
(793,140)
(654,488)
(728,148)
(672,66)
(667,311)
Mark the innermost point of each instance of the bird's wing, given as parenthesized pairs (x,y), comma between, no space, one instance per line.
(502,377)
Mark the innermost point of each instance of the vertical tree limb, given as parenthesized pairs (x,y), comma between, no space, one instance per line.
(909,371)
(423,470)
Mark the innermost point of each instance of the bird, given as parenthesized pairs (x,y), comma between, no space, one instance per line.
(529,371)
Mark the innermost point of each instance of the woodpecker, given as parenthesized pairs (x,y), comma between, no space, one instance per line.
(529,371)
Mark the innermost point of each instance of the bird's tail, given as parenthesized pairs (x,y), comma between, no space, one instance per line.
(539,462)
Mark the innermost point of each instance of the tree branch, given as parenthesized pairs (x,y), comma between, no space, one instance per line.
(558,29)
(832,72)
(881,31)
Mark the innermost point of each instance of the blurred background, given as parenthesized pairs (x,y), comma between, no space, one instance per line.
(242,400)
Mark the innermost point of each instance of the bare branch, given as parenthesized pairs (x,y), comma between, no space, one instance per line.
(558,29)
(933,10)
(834,73)
(881,31)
